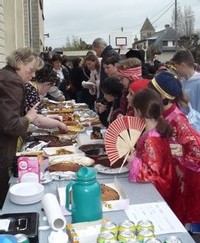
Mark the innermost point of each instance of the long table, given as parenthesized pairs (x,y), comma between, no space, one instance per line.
(137,193)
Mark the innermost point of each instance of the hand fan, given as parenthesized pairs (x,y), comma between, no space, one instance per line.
(121,136)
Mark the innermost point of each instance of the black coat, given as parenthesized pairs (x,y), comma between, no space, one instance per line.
(108,51)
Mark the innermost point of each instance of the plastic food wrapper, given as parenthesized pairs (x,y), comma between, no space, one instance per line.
(35,148)
(47,176)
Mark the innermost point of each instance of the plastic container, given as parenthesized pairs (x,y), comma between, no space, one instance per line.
(83,196)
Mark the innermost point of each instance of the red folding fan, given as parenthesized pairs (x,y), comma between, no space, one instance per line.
(121,137)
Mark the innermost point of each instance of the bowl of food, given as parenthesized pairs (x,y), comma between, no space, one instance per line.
(95,152)
(99,155)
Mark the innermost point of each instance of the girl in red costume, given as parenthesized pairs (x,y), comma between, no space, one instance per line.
(134,88)
(152,161)
(186,159)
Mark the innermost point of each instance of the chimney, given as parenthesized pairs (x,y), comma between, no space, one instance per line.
(135,39)
(167,26)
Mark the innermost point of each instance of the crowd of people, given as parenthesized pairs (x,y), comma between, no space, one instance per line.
(165,95)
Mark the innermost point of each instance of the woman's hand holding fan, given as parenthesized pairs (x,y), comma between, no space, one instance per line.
(121,137)
(131,155)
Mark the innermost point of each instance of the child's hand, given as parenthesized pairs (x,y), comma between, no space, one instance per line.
(119,115)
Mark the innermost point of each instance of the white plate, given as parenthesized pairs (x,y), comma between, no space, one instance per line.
(56,102)
(76,158)
(51,151)
(110,171)
(26,193)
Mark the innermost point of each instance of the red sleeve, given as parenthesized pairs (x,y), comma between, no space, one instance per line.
(151,157)
(157,167)
(189,139)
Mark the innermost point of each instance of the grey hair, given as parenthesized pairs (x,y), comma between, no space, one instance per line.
(25,55)
(99,42)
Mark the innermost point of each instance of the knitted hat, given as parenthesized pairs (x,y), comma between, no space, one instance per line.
(138,85)
(167,84)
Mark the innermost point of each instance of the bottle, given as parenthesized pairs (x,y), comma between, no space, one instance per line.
(83,196)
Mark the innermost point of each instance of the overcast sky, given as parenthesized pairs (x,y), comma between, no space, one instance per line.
(89,19)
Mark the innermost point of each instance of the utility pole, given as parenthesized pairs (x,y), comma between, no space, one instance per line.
(175,24)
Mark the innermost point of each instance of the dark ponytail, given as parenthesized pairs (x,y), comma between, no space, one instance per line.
(164,128)
(150,105)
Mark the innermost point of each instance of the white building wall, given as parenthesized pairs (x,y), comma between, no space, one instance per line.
(166,56)
(11,27)
(14,27)
(41,27)
(14,32)
(2,35)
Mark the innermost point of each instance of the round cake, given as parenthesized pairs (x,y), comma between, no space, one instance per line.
(108,193)
(64,167)
(74,163)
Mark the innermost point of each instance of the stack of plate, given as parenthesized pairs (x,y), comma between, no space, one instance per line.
(26,193)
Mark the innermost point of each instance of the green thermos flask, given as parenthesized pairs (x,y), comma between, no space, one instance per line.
(83,196)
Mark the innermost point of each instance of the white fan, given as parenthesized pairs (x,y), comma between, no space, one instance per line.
(121,137)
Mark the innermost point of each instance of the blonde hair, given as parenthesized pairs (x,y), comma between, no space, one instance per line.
(25,55)
(129,63)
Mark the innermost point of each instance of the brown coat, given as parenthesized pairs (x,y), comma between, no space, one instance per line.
(12,122)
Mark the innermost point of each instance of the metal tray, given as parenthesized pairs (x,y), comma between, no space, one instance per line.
(22,223)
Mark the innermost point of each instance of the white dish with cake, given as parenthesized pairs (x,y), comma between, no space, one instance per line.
(72,162)
(110,171)
(64,150)
(97,134)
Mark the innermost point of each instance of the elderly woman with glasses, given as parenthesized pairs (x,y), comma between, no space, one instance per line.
(21,67)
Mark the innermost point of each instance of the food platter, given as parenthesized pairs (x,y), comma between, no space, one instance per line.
(67,135)
(76,128)
(110,171)
(52,151)
(89,132)
(71,162)
(61,110)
